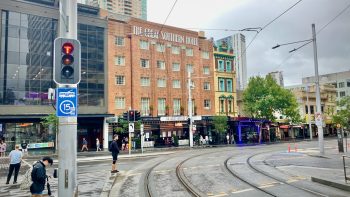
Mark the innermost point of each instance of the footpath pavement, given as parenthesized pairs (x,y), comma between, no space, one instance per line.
(327,169)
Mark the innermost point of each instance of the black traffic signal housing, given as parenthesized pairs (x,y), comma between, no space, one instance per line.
(125,115)
(131,117)
(188,121)
(67,68)
(137,116)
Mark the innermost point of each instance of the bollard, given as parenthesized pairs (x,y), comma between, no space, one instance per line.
(296,147)
(289,148)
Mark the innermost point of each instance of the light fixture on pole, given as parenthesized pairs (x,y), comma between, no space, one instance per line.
(318,118)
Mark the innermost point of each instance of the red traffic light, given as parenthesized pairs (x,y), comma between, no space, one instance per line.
(67,48)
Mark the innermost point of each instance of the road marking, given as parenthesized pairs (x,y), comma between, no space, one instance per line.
(220,194)
(163,171)
(310,167)
(243,190)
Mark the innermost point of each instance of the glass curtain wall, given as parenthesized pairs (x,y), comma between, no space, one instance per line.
(26,58)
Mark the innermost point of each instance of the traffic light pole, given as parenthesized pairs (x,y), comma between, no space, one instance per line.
(67,136)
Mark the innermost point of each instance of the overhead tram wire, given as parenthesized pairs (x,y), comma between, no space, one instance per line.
(269,23)
(319,31)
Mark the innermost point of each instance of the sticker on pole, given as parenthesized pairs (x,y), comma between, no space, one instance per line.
(67,101)
(318,119)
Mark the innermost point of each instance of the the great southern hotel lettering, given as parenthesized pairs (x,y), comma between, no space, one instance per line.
(152,33)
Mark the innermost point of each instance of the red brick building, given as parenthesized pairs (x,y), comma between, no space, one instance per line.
(148,67)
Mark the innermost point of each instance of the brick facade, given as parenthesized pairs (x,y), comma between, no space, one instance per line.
(132,90)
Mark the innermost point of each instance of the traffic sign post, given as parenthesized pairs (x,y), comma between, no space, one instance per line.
(131,130)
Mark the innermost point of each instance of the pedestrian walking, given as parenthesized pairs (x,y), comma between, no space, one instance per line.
(84,145)
(113,147)
(15,164)
(24,147)
(228,139)
(98,145)
(39,176)
(2,148)
(126,143)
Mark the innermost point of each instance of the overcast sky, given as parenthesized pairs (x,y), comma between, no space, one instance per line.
(333,41)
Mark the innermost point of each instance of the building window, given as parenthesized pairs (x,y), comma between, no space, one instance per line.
(341,85)
(160,47)
(176,67)
(161,83)
(189,52)
(205,54)
(145,81)
(306,109)
(221,84)
(176,84)
(312,109)
(144,63)
(222,106)
(322,108)
(221,66)
(229,106)
(119,41)
(119,102)
(177,107)
(229,85)
(206,104)
(206,85)
(342,93)
(119,80)
(144,44)
(189,68)
(119,60)
(145,107)
(228,66)
(161,106)
(175,50)
(161,65)
(206,70)
(348,83)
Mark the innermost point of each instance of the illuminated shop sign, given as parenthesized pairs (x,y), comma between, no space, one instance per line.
(167,36)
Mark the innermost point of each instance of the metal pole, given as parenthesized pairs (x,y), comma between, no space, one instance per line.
(190,109)
(308,109)
(67,143)
(142,137)
(318,98)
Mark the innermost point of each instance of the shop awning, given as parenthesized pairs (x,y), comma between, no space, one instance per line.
(284,127)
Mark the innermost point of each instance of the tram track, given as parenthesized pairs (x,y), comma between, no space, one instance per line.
(248,161)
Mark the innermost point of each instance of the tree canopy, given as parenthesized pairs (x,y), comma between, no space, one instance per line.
(343,115)
(264,97)
(220,123)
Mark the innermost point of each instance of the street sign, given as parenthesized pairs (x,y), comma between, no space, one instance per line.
(194,127)
(131,127)
(67,101)
(318,119)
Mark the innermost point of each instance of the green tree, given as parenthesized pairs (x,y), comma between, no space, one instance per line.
(263,97)
(50,121)
(343,115)
(220,125)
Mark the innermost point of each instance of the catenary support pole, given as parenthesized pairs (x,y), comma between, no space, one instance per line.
(318,98)
(308,109)
(190,109)
(67,143)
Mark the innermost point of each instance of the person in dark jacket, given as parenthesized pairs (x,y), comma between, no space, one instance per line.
(113,147)
(39,175)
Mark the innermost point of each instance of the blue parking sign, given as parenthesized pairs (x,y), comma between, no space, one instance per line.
(67,101)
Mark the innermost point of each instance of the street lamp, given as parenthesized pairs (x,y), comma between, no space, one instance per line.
(318,117)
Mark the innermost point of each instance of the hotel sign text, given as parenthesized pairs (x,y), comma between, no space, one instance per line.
(172,37)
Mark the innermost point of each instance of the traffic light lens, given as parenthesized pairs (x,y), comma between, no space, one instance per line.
(67,59)
(67,71)
(67,48)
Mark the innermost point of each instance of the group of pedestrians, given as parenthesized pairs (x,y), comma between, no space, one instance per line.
(85,145)
(38,172)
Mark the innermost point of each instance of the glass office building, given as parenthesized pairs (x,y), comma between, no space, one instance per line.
(26,74)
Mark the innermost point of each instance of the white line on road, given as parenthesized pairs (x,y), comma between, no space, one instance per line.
(243,190)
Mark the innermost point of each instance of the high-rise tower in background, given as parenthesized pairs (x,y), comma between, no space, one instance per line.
(278,77)
(133,8)
(237,42)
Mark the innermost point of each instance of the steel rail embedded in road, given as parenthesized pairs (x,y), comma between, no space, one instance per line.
(146,183)
(246,181)
(181,176)
(278,179)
